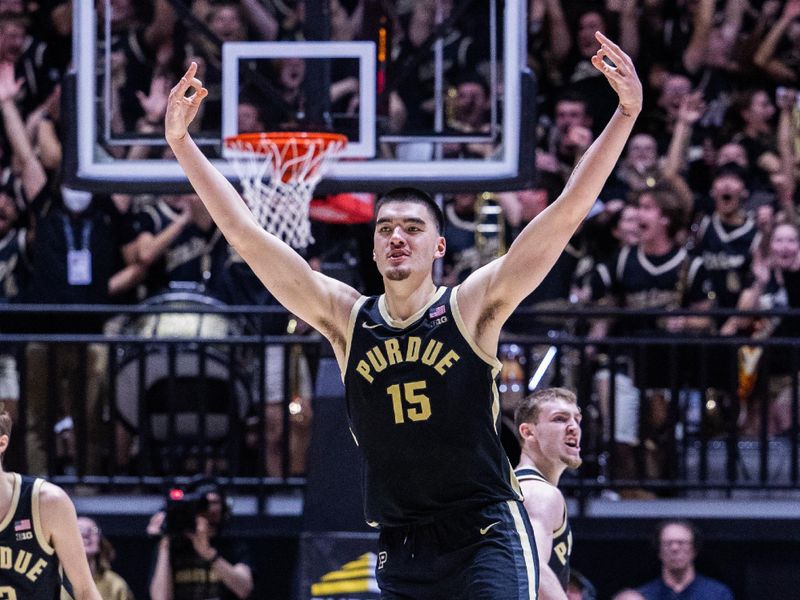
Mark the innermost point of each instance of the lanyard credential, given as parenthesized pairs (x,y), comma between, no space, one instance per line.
(79,261)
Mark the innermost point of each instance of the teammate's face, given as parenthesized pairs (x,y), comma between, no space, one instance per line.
(558,432)
(676,548)
(406,240)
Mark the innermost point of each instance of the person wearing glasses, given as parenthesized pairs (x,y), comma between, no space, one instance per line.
(100,553)
(678,543)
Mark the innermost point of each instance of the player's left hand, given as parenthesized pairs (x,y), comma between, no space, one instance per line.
(622,75)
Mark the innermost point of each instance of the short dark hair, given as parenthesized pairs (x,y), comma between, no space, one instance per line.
(570,95)
(414,195)
(731,169)
(669,202)
(529,408)
(697,537)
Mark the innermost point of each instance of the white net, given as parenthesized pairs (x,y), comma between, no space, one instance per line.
(278,175)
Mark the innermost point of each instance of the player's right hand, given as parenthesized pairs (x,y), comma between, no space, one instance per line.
(182,109)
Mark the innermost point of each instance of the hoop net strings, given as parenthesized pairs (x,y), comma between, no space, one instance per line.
(278,181)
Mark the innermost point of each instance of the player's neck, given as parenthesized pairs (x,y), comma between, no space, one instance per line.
(550,470)
(403,298)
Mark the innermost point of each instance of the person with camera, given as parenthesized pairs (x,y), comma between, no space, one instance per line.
(194,561)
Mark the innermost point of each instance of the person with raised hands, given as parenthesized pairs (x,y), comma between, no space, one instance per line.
(419,361)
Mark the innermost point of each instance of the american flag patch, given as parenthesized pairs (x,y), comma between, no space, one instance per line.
(22,525)
(437,312)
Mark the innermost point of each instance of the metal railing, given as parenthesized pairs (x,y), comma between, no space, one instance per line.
(189,388)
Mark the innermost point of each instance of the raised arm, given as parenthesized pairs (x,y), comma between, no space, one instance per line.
(33,175)
(491,293)
(764,57)
(317,299)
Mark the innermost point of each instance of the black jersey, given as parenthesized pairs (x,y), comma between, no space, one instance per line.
(29,568)
(191,256)
(726,253)
(562,537)
(423,407)
(638,280)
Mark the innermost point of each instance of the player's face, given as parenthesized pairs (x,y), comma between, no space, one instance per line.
(676,547)
(558,432)
(406,240)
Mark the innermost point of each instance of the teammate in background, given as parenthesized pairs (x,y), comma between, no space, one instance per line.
(39,527)
(549,426)
(419,362)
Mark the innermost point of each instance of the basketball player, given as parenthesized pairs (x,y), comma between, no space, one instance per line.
(419,361)
(549,426)
(38,537)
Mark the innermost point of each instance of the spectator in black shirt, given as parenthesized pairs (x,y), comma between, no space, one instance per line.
(201,563)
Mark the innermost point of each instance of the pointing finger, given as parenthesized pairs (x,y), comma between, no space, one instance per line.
(616,53)
(187,80)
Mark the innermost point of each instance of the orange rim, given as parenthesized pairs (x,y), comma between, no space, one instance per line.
(281,138)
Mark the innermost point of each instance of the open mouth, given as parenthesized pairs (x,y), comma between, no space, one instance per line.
(573,444)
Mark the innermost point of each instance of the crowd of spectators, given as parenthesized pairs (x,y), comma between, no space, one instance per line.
(700,212)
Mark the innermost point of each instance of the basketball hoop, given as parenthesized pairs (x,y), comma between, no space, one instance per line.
(278,172)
